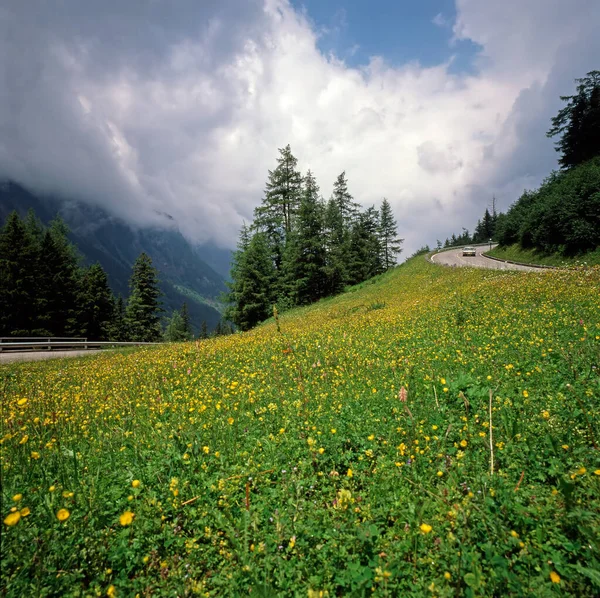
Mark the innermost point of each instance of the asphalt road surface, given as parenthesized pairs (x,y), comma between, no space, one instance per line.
(454,257)
(13,356)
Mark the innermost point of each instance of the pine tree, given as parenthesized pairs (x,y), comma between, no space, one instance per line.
(250,297)
(175,331)
(275,216)
(187,326)
(344,201)
(143,307)
(365,247)
(62,279)
(96,304)
(337,249)
(390,243)
(203,330)
(17,279)
(118,330)
(578,123)
(305,259)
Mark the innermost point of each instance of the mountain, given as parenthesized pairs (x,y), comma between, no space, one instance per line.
(100,237)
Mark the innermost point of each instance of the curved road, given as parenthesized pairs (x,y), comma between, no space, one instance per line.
(454,257)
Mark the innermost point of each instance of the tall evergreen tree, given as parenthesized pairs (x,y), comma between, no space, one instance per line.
(118,329)
(203,330)
(277,212)
(337,249)
(347,207)
(143,307)
(365,247)
(391,245)
(17,278)
(305,258)
(250,297)
(578,123)
(187,326)
(96,304)
(175,331)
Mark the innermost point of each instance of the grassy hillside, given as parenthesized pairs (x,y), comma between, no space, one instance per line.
(516,253)
(347,449)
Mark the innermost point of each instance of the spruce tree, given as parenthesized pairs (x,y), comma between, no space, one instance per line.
(250,297)
(118,330)
(96,304)
(187,325)
(578,123)
(365,247)
(277,212)
(142,314)
(175,331)
(391,245)
(203,330)
(17,278)
(305,258)
(62,278)
(347,207)
(337,249)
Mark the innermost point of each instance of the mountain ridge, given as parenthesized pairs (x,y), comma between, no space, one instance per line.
(101,237)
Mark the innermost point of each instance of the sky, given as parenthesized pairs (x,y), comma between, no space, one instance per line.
(178,107)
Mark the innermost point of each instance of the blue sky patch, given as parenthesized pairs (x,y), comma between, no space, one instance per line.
(400,31)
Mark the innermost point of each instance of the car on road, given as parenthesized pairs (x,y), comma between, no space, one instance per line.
(469,251)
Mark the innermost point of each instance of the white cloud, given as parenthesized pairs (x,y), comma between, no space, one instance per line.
(144,111)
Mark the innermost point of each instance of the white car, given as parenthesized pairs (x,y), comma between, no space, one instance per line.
(469,251)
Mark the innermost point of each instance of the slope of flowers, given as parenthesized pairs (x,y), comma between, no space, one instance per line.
(433,432)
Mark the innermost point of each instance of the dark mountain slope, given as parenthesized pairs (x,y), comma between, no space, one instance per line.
(102,238)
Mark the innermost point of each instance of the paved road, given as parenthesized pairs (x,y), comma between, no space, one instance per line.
(454,257)
(13,356)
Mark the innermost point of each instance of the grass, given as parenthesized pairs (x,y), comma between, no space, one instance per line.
(515,253)
(432,434)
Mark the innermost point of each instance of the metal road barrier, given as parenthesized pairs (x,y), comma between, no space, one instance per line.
(31,343)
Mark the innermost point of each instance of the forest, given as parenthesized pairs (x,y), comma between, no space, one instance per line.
(45,292)
(562,216)
(300,248)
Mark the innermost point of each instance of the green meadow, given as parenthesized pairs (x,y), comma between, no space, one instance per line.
(431,432)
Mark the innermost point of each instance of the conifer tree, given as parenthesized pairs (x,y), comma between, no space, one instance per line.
(96,304)
(578,123)
(337,249)
(118,330)
(187,326)
(175,331)
(347,207)
(391,245)
(17,279)
(305,260)
(142,314)
(203,330)
(365,247)
(250,297)
(277,212)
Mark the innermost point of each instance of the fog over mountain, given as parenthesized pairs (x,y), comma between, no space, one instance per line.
(170,114)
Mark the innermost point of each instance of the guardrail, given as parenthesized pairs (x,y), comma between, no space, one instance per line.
(37,345)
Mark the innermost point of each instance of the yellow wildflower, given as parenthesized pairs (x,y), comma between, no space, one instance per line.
(425,528)
(25,511)
(463,443)
(126,518)
(63,514)
(17,497)
(12,518)
(554,577)
(135,483)
(349,473)
(22,402)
